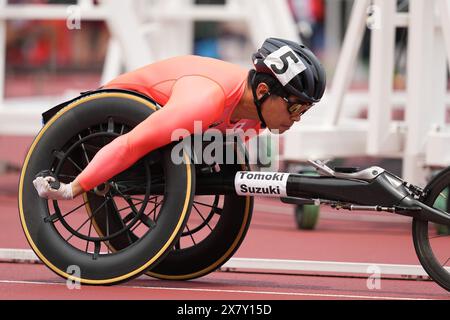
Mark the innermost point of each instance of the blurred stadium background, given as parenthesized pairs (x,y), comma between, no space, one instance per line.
(387,101)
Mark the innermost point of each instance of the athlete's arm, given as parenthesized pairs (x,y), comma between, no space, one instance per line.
(193,98)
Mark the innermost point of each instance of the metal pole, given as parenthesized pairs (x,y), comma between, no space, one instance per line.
(421,110)
(347,60)
(444,10)
(285,27)
(124,26)
(112,66)
(333,32)
(381,75)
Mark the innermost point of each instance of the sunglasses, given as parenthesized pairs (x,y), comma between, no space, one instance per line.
(297,107)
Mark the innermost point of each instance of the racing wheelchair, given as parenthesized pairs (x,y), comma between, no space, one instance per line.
(183,221)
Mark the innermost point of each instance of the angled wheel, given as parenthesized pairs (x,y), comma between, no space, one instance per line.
(145,207)
(306,216)
(432,248)
(443,204)
(216,227)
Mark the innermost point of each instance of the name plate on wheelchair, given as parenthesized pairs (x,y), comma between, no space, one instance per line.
(269,184)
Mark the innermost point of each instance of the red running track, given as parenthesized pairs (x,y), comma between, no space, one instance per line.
(343,237)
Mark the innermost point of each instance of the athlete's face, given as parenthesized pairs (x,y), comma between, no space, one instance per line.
(280,114)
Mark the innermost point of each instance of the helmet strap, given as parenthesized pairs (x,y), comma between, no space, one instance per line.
(259,102)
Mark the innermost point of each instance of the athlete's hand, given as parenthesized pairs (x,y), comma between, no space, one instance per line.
(45,190)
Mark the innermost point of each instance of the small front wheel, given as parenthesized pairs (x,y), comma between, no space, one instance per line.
(306,216)
(433,247)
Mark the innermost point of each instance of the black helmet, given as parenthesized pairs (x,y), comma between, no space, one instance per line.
(295,67)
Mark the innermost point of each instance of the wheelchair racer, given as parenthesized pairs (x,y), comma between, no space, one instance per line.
(286,81)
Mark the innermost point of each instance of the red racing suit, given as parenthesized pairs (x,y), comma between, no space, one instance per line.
(190,88)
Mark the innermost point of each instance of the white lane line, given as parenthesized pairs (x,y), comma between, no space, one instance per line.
(280,293)
(324,266)
(280,265)
(301,294)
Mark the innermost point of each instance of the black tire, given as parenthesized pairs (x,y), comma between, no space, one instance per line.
(218,247)
(306,216)
(197,254)
(44,237)
(425,250)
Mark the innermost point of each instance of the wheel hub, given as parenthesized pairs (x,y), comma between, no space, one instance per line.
(102,189)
